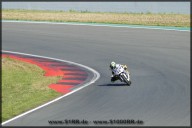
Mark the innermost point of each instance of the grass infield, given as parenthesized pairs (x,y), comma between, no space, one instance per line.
(148,19)
(24,87)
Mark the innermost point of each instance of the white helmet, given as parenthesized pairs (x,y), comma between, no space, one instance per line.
(112,65)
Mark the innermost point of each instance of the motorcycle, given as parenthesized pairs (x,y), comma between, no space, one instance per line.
(123,75)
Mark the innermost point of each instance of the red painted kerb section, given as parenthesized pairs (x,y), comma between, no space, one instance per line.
(72,75)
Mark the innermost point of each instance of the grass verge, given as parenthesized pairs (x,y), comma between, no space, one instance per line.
(148,19)
(24,87)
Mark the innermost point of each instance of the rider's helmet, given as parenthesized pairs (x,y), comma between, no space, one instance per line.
(112,65)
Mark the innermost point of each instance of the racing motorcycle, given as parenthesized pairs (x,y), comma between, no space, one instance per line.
(123,75)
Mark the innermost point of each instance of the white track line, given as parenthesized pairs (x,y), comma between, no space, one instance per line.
(103,25)
(96,77)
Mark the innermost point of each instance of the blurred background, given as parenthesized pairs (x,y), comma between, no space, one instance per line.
(131,7)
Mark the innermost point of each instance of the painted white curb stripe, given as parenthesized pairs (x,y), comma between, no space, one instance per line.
(95,78)
(104,25)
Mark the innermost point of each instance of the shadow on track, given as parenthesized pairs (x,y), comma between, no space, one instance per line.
(114,84)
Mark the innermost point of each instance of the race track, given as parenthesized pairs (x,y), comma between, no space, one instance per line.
(159,62)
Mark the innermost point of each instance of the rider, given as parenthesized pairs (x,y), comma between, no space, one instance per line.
(114,66)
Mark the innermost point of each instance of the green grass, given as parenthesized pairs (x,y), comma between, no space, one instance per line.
(148,19)
(24,87)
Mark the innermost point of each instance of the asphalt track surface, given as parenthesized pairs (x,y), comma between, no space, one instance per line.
(159,62)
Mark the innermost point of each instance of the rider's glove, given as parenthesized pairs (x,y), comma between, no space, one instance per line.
(125,67)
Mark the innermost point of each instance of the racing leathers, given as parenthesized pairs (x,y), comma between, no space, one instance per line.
(115,77)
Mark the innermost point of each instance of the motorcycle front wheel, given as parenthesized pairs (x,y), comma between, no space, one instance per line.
(125,80)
